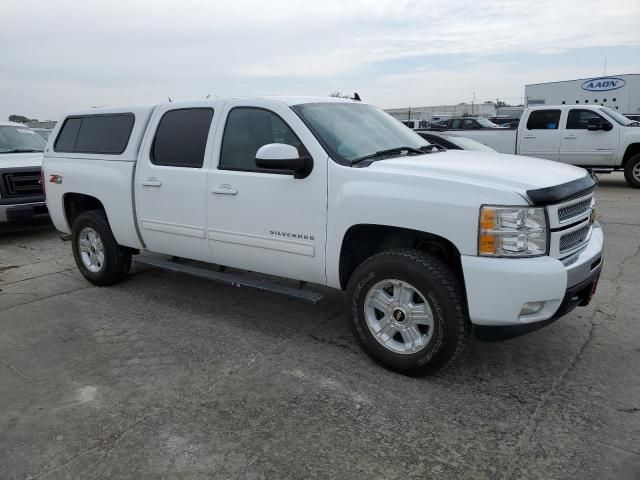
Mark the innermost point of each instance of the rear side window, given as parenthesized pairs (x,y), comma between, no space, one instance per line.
(579,119)
(543,120)
(181,138)
(100,134)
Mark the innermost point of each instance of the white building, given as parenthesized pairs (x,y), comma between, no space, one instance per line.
(443,112)
(621,92)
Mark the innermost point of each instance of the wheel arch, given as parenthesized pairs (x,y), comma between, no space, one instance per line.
(362,241)
(76,203)
(632,150)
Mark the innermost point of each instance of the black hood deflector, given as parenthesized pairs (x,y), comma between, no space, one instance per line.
(563,192)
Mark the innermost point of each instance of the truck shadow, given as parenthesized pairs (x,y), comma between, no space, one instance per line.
(33,227)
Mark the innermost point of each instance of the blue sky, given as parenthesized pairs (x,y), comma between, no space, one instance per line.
(70,54)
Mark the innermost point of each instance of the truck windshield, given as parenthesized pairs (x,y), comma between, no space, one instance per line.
(352,131)
(619,118)
(19,140)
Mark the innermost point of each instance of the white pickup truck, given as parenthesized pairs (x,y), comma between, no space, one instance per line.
(588,136)
(426,242)
(21,195)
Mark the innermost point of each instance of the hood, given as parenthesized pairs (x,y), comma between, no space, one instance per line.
(18,160)
(513,173)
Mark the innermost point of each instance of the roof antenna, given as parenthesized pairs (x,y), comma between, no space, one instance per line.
(170,99)
(208,96)
(356,97)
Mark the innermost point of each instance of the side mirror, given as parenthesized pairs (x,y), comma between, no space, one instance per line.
(284,158)
(595,124)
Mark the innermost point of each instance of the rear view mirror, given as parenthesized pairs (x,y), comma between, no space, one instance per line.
(284,158)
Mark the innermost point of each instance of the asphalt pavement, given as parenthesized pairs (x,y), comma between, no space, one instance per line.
(168,376)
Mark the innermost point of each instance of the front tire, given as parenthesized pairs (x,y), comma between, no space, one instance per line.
(408,311)
(97,254)
(632,171)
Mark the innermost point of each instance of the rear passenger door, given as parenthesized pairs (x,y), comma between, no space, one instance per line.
(171,180)
(264,220)
(540,137)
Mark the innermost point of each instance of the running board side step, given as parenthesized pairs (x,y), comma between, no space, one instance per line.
(230,278)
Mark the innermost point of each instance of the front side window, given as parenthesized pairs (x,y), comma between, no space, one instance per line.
(469,124)
(100,134)
(352,131)
(579,119)
(181,138)
(247,130)
(543,120)
(14,139)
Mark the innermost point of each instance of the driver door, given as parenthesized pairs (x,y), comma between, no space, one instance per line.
(263,220)
(580,146)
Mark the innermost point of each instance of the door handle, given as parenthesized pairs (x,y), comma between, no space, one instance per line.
(224,190)
(570,137)
(529,136)
(151,182)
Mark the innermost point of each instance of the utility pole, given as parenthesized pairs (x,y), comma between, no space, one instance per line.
(604,74)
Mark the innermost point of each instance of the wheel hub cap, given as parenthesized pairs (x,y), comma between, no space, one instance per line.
(398,316)
(91,249)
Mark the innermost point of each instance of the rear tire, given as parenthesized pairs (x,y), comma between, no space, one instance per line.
(632,171)
(408,311)
(99,257)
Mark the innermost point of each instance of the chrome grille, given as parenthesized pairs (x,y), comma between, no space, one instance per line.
(573,211)
(574,239)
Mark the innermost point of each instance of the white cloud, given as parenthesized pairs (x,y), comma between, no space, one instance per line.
(67,54)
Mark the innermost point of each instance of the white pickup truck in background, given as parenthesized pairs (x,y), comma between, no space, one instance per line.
(21,194)
(426,242)
(588,136)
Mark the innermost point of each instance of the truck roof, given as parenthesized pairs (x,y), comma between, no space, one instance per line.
(287,100)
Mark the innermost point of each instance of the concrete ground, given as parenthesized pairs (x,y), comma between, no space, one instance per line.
(166,376)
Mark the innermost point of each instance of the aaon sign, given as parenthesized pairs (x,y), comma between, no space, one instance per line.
(603,84)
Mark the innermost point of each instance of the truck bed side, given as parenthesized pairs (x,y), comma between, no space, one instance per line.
(106,179)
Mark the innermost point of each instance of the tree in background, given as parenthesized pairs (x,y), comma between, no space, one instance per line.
(21,119)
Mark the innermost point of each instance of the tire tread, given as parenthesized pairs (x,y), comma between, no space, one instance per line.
(448,279)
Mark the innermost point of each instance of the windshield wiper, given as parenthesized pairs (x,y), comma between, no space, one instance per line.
(21,150)
(390,151)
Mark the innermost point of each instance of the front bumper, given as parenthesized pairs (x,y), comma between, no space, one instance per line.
(497,288)
(22,211)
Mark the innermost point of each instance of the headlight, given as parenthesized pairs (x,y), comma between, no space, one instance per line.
(512,232)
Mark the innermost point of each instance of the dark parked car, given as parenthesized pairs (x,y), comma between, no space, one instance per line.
(451,141)
(469,123)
